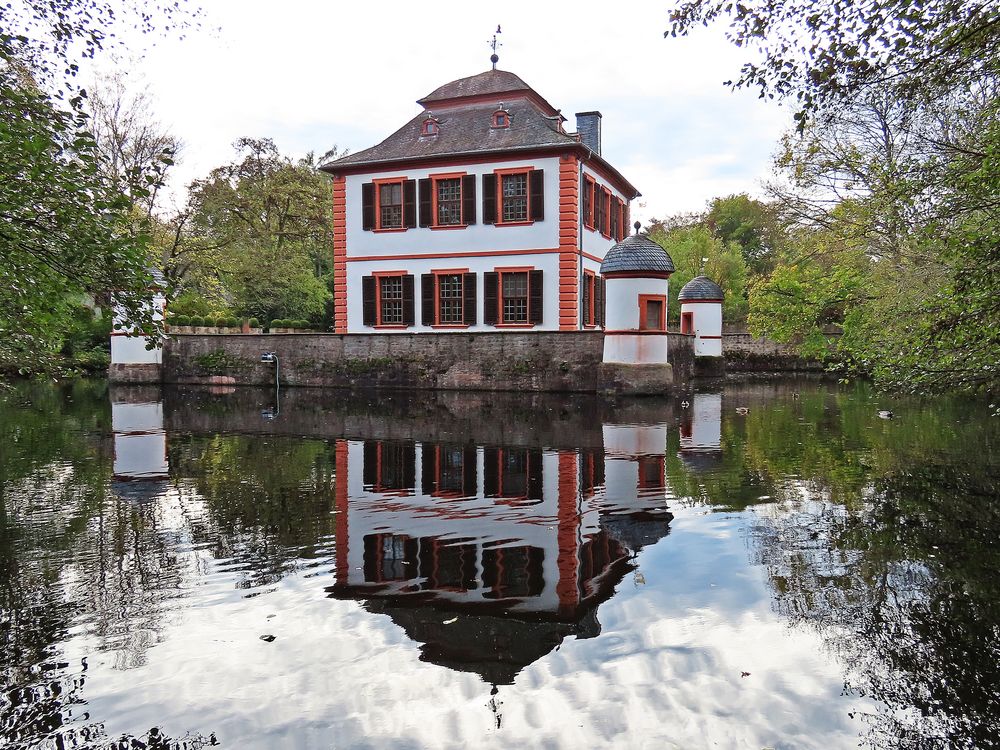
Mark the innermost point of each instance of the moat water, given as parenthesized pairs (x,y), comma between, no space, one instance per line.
(761,565)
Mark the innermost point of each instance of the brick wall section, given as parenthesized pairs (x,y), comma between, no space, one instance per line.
(340,254)
(508,361)
(569,243)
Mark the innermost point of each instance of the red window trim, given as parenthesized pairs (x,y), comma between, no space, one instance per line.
(590,278)
(662,322)
(435,127)
(436,480)
(378,299)
(500,272)
(498,174)
(659,464)
(496,119)
(434,199)
(687,322)
(378,204)
(460,272)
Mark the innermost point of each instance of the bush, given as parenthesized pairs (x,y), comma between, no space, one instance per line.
(196,320)
(180,320)
(301,324)
(254,323)
(279,323)
(234,322)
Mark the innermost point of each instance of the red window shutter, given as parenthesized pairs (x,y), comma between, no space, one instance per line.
(469,298)
(409,203)
(534,466)
(426,186)
(535,297)
(427,307)
(408,305)
(491,306)
(368,300)
(469,199)
(536,188)
(368,207)
(627,230)
(489,199)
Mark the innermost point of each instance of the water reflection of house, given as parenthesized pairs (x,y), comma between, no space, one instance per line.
(490,556)
(701,432)
(140,443)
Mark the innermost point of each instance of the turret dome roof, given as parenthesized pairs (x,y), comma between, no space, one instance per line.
(701,288)
(637,254)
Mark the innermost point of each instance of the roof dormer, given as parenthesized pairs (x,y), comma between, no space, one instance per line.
(501,117)
(430,126)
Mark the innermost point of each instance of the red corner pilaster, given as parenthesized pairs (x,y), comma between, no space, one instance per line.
(342,566)
(340,254)
(568,534)
(569,238)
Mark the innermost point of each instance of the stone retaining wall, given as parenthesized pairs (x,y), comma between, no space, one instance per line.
(535,361)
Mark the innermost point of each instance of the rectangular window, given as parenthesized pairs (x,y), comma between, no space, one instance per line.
(449,201)
(687,322)
(652,312)
(390,290)
(390,205)
(514,294)
(514,197)
(450,299)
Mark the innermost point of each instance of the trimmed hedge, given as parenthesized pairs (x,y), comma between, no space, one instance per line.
(254,323)
(180,320)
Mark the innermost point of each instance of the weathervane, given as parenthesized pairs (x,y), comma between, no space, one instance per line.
(494,58)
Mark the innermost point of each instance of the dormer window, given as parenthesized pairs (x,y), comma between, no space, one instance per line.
(501,118)
(430,126)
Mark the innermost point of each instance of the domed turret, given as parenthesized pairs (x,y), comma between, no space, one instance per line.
(636,271)
(701,315)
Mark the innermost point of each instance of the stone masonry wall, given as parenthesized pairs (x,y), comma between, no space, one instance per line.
(535,361)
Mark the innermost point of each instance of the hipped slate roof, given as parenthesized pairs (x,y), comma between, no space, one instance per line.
(637,253)
(701,287)
(464,110)
(465,130)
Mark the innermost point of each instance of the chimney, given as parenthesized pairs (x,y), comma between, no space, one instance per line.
(588,125)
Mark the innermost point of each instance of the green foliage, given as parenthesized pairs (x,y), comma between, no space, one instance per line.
(258,233)
(749,224)
(687,246)
(181,320)
(891,177)
(197,320)
(254,322)
(190,303)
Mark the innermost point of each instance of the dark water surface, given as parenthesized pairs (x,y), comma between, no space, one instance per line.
(763,565)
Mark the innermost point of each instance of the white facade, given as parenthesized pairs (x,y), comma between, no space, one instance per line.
(706,324)
(128,345)
(140,441)
(477,248)
(624,341)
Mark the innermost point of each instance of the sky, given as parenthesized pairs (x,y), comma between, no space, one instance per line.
(315,75)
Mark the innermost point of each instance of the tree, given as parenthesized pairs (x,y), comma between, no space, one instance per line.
(65,229)
(750,224)
(894,156)
(695,251)
(257,234)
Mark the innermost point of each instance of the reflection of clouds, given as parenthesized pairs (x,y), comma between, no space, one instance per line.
(666,668)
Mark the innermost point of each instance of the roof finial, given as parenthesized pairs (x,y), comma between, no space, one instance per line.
(494,58)
(637,226)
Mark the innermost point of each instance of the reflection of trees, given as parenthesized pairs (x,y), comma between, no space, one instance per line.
(72,555)
(267,500)
(881,536)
